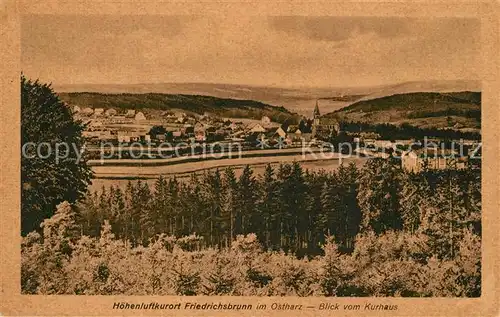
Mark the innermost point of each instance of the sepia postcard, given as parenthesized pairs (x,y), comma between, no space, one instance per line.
(249,158)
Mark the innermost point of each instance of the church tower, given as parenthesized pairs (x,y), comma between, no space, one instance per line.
(316,114)
(316,121)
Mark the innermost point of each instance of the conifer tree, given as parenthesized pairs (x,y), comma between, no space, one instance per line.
(127,218)
(161,205)
(414,193)
(246,197)
(90,213)
(117,204)
(283,211)
(213,194)
(104,205)
(176,206)
(140,213)
(298,220)
(314,208)
(378,196)
(267,206)
(195,204)
(352,211)
(230,205)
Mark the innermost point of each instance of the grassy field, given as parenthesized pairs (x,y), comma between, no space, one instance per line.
(153,171)
(121,179)
(231,153)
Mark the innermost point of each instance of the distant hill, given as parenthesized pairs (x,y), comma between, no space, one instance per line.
(195,104)
(442,86)
(458,110)
(296,99)
(300,100)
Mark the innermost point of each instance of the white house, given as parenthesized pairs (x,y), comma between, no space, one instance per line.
(95,123)
(140,116)
(265,120)
(123,138)
(257,128)
(200,132)
(416,160)
(98,112)
(88,111)
(110,112)
(130,113)
(281,132)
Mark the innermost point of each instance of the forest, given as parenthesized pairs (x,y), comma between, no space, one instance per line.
(370,231)
(407,131)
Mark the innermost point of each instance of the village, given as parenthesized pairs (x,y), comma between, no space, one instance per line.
(181,130)
(174,127)
(132,127)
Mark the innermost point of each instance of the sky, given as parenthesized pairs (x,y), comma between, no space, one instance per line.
(283,51)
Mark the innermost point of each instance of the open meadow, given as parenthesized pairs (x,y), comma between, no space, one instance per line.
(183,172)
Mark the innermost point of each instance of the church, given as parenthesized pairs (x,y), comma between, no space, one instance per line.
(323,127)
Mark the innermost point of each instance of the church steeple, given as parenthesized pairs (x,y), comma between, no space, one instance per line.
(316,113)
(316,119)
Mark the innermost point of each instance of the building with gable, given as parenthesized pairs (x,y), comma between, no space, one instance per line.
(323,127)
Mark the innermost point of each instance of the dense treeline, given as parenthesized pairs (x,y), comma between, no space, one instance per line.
(404,131)
(287,208)
(375,231)
(283,207)
(222,107)
(475,114)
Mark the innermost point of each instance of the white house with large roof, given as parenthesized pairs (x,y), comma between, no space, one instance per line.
(139,116)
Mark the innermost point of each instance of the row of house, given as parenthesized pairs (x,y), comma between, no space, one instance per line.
(120,136)
(204,128)
(425,158)
(108,113)
(204,131)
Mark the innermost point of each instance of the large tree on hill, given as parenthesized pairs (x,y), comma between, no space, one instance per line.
(46,179)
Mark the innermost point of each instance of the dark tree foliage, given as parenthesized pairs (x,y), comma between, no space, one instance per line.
(379,195)
(157,129)
(370,231)
(389,131)
(293,210)
(46,181)
(284,207)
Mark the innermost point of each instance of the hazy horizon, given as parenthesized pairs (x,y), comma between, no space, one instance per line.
(277,51)
(284,86)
